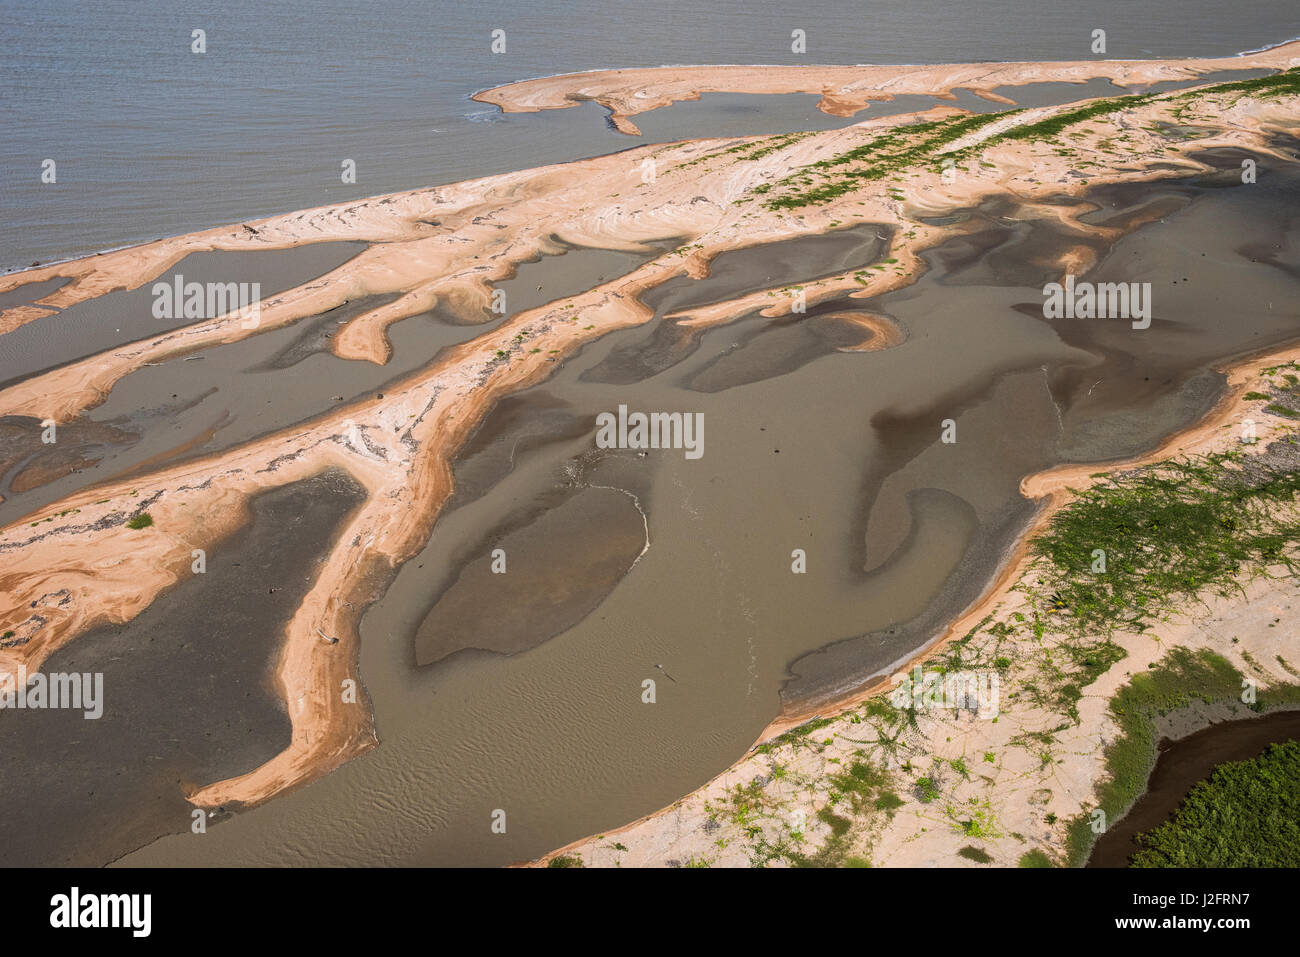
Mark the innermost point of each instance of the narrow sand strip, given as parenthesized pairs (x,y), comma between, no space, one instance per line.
(75,563)
(678,831)
(846,90)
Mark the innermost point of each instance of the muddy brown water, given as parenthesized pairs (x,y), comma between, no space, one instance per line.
(126,315)
(1122,391)
(664,342)
(751,114)
(559,576)
(1180,766)
(1052,92)
(28,293)
(192,406)
(187,699)
(839,456)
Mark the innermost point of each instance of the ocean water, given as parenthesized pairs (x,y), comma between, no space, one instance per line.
(150,139)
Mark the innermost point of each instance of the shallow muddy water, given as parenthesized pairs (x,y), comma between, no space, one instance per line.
(837,454)
(187,694)
(128,314)
(191,406)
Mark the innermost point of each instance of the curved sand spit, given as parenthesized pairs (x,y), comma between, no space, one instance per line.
(75,563)
(654,838)
(846,90)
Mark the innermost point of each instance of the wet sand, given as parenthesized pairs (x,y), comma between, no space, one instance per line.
(764,349)
(844,90)
(557,735)
(566,559)
(191,406)
(566,270)
(188,695)
(84,329)
(733,274)
(188,407)
(727,523)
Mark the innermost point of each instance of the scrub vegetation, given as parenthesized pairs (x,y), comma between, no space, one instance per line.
(922,144)
(1130,548)
(1246,815)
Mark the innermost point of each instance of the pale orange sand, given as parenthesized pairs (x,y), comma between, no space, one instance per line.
(845,90)
(1018,794)
(399,448)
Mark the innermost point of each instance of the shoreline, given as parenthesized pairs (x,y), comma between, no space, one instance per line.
(273,215)
(847,90)
(1050,488)
(269,215)
(408,472)
(706,66)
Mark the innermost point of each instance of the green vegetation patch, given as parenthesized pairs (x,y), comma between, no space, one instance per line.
(921,144)
(1166,532)
(1054,125)
(899,149)
(1179,679)
(143,520)
(795,735)
(973,853)
(858,784)
(1035,858)
(856,794)
(1286,83)
(1246,815)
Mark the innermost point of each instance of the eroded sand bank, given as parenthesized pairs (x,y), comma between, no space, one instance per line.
(76,564)
(780,800)
(845,90)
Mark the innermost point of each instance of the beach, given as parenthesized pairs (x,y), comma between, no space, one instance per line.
(846,90)
(775,795)
(719,245)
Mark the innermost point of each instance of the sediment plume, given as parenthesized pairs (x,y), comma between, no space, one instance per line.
(79,562)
